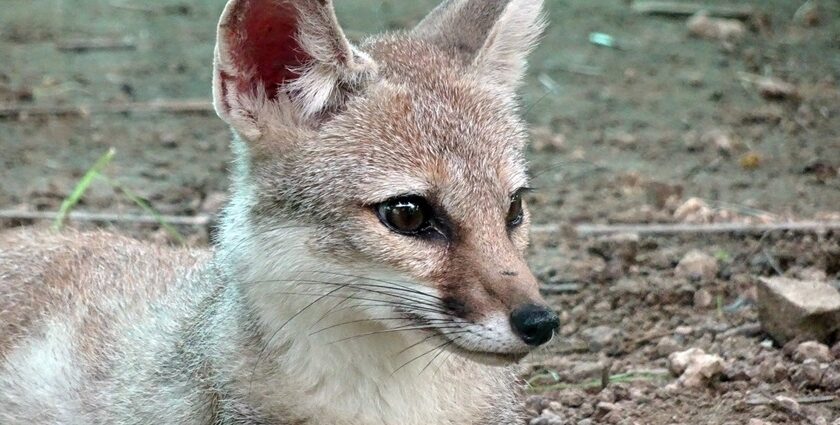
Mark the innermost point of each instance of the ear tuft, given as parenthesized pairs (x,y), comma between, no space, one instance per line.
(495,36)
(282,60)
(503,58)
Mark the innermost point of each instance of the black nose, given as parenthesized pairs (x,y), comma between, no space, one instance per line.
(534,324)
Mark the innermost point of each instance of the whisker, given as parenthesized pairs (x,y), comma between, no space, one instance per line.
(375,319)
(421,355)
(440,351)
(402,329)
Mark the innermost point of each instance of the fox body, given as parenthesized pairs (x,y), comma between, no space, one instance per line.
(369,267)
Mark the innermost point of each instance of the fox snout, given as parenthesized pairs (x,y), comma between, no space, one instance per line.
(535,324)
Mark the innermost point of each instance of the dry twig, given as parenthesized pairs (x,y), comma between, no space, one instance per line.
(198,220)
(185,106)
(671,8)
(683,228)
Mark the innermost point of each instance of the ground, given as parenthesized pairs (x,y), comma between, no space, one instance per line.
(623,134)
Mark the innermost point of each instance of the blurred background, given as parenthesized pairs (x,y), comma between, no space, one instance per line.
(725,123)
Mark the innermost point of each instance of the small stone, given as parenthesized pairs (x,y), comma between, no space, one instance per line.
(572,397)
(789,308)
(702,299)
(702,26)
(694,367)
(585,370)
(756,421)
(600,337)
(789,404)
(697,265)
(774,88)
(535,404)
(620,245)
(809,374)
(627,285)
(719,139)
(771,371)
(547,418)
(588,421)
(667,345)
(694,210)
(813,350)
(683,331)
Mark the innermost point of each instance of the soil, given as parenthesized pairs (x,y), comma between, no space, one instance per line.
(623,134)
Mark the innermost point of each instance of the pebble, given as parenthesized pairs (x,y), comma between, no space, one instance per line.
(698,266)
(789,308)
(694,367)
(720,139)
(813,350)
(667,345)
(702,26)
(756,421)
(601,337)
(703,299)
(789,404)
(547,418)
(572,397)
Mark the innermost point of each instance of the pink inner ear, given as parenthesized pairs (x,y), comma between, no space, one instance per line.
(263,45)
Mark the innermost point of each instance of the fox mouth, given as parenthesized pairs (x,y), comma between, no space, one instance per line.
(488,358)
(450,343)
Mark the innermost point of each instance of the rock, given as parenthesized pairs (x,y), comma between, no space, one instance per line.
(718,138)
(620,245)
(694,367)
(756,421)
(789,308)
(628,286)
(808,375)
(697,265)
(775,89)
(535,404)
(789,405)
(702,26)
(601,337)
(694,210)
(572,397)
(667,345)
(813,350)
(702,299)
(585,370)
(547,418)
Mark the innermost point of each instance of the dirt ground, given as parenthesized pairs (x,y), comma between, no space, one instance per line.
(622,134)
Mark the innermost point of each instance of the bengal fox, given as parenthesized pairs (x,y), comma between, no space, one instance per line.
(369,267)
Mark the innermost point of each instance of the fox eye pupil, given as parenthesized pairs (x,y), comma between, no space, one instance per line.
(407,215)
(515,212)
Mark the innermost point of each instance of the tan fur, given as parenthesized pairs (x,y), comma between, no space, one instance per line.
(309,310)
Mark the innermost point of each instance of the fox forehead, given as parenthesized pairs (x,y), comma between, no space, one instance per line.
(427,127)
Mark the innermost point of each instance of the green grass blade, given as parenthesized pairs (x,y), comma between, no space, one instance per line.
(147,208)
(81,187)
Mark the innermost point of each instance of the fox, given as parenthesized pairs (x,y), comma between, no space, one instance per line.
(369,267)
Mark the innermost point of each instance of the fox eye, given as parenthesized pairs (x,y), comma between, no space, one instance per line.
(515,212)
(409,215)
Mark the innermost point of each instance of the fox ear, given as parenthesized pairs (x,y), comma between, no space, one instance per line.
(283,62)
(495,36)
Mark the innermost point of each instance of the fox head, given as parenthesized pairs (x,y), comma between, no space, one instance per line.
(398,161)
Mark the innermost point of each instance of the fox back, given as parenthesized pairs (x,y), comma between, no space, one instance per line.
(369,267)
